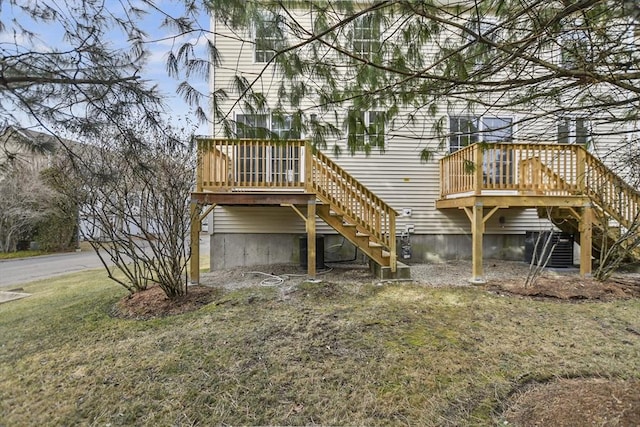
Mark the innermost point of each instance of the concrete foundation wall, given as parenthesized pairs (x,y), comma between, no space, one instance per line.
(437,248)
(234,250)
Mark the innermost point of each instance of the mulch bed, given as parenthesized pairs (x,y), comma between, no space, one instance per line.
(153,303)
(576,402)
(570,288)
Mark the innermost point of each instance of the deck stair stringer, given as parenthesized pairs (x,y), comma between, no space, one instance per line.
(359,238)
(354,211)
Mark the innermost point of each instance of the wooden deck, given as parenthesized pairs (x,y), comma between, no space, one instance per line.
(483,178)
(290,173)
(579,191)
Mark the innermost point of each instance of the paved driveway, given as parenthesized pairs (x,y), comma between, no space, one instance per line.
(17,271)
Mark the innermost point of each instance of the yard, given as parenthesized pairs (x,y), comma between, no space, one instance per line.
(347,350)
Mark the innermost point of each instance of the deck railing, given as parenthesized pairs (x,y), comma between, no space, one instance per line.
(263,165)
(542,169)
(546,168)
(612,193)
(226,165)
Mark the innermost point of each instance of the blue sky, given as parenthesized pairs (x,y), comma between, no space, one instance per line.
(155,70)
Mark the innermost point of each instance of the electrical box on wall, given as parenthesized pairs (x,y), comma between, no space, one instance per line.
(410,228)
(406,211)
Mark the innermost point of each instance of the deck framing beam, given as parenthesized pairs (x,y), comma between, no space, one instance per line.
(513,201)
(253,198)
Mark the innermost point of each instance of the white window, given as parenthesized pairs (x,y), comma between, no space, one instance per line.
(463,131)
(365,130)
(268,37)
(575,47)
(467,130)
(573,130)
(366,37)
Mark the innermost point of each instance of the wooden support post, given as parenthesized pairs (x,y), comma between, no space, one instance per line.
(477,231)
(393,251)
(311,238)
(586,240)
(478,173)
(195,243)
(199,167)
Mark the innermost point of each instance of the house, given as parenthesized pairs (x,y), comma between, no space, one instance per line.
(27,209)
(27,153)
(26,148)
(498,175)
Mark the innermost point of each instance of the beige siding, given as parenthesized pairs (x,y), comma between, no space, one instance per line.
(397,175)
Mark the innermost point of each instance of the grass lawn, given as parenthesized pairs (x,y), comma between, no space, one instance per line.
(324,354)
(22,254)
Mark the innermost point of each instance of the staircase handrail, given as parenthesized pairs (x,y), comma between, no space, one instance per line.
(372,215)
(614,195)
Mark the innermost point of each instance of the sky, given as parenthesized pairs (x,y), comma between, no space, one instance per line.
(178,112)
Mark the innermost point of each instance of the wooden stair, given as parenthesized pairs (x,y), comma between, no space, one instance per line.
(355,212)
(616,207)
(268,172)
(349,230)
(604,235)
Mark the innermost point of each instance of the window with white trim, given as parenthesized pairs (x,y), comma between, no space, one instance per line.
(573,130)
(365,130)
(268,37)
(463,131)
(366,36)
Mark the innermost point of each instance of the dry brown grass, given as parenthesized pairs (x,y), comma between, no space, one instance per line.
(321,353)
